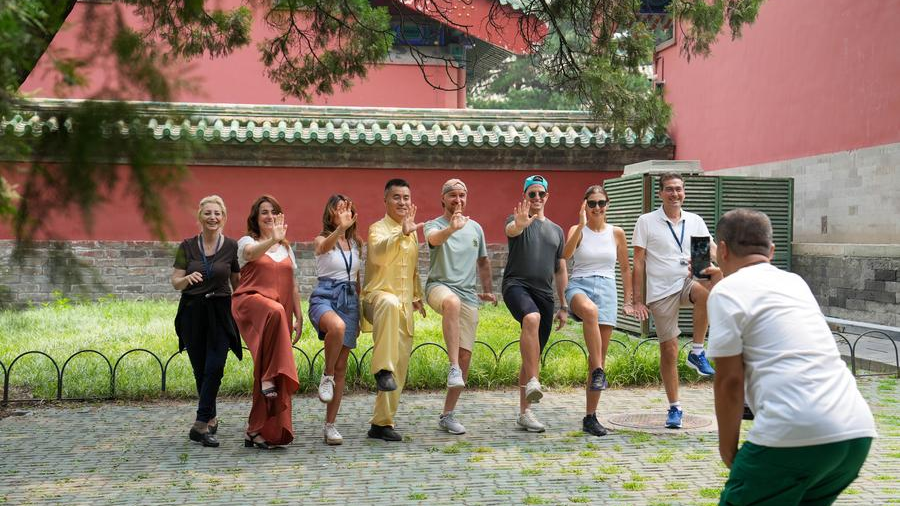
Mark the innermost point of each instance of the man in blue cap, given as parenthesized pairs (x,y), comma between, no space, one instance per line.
(535,260)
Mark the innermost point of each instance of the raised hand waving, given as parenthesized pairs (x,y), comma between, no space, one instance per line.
(279,229)
(521,215)
(344,214)
(582,215)
(409,221)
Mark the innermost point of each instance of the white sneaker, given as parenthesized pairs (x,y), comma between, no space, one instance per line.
(527,421)
(533,392)
(455,378)
(448,423)
(332,436)
(326,389)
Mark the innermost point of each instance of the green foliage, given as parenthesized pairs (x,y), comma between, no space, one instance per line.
(628,99)
(516,84)
(323,45)
(63,327)
(71,168)
(26,27)
(100,148)
(600,51)
(704,20)
(190,30)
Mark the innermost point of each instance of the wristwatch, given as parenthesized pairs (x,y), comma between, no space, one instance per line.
(564,308)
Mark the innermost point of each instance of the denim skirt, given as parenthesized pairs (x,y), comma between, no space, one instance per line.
(340,297)
(601,291)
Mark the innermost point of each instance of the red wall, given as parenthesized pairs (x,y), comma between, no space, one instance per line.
(238,78)
(303,192)
(809,77)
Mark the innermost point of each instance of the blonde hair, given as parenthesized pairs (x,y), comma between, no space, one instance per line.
(212,199)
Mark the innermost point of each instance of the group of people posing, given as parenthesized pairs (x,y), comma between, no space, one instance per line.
(265,305)
(247,288)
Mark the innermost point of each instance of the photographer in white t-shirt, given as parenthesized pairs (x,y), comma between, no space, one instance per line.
(813,428)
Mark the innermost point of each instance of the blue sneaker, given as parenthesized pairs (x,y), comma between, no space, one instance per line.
(700,364)
(673,420)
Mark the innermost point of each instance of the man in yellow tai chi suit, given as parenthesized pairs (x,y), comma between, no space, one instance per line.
(390,295)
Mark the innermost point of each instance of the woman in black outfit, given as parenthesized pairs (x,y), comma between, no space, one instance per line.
(206,271)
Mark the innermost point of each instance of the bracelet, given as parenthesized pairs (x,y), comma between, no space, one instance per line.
(564,308)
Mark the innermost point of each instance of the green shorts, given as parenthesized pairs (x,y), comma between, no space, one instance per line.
(810,475)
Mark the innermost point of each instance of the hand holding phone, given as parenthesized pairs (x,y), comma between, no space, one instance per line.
(699,256)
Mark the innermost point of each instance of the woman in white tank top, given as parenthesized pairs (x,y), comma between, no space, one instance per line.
(334,303)
(591,292)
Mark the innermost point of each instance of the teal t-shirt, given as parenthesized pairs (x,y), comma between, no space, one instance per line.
(454,263)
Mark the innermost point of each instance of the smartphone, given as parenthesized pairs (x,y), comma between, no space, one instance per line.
(699,256)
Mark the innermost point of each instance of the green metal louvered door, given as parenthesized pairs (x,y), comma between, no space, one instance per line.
(775,197)
(628,200)
(710,197)
(701,197)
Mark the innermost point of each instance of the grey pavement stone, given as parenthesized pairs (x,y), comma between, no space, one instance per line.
(126,453)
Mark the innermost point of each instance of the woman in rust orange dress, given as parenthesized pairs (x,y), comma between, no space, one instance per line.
(266,306)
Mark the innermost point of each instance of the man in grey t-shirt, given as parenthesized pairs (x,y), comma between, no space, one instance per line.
(457,247)
(535,261)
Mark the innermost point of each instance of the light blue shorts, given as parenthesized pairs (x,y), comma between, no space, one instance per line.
(601,291)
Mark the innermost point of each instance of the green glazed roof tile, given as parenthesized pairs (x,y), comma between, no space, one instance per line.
(338,125)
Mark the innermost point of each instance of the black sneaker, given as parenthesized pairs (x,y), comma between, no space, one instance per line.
(384,381)
(598,379)
(591,425)
(385,432)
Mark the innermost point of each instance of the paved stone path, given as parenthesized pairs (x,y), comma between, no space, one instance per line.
(118,453)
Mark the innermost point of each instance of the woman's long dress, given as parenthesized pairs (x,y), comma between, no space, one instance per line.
(262,307)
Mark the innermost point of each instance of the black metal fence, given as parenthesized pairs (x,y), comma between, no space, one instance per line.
(355,373)
(874,334)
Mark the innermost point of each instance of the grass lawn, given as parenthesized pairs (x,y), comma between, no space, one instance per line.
(112,328)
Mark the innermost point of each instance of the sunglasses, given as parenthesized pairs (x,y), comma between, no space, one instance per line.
(597,203)
(532,195)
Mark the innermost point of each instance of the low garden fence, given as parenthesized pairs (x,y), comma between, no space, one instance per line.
(306,369)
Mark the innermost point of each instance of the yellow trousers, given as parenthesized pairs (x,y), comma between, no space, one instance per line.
(392,333)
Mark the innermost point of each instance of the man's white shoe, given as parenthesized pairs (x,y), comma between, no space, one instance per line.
(332,436)
(455,378)
(527,421)
(326,389)
(533,392)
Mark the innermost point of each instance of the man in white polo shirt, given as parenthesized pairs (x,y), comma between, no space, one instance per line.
(662,250)
(813,429)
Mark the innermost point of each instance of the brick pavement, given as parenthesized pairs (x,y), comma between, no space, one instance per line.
(117,453)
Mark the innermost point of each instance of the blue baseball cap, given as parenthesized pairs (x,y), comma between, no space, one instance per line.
(536,179)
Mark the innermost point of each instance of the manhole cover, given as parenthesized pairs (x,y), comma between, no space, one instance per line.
(657,421)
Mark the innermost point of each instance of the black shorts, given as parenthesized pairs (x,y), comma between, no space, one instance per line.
(521,301)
